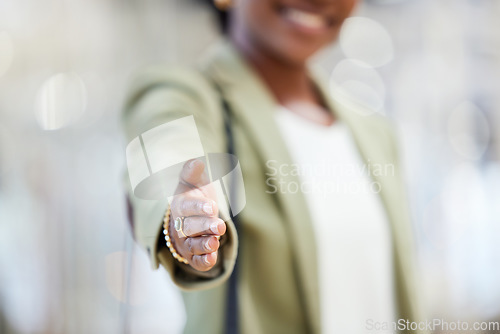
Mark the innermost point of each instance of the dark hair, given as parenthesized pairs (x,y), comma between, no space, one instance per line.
(221,15)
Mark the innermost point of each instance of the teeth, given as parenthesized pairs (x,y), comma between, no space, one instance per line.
(306,19)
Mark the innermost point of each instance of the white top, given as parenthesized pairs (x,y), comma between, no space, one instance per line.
(352,232)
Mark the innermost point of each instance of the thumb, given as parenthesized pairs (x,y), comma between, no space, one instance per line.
(193,174)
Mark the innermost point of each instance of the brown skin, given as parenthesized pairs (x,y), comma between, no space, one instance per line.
(201,226)
(277,48)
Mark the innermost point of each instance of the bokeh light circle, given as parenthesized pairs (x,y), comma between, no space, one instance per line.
(6,52)
(468,131)
(61,101)
(354,83)
(366,40)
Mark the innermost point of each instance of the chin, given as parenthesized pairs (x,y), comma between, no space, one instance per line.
(296,55)
(295,45)
(292,30)
(295,51)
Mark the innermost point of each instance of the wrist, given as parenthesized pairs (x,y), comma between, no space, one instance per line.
(169,240)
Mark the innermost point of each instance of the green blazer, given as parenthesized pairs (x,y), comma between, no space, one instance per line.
(278,280)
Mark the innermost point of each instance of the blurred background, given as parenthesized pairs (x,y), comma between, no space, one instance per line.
(67,261)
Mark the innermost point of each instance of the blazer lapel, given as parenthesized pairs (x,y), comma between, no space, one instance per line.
(377,148)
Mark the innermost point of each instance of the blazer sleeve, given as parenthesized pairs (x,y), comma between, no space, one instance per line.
(158,96)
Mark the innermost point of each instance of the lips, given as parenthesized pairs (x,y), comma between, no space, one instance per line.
(306,20)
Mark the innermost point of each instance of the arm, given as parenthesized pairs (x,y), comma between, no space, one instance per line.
(159,96)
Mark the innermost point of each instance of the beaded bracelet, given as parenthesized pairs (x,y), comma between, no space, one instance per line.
(170,246)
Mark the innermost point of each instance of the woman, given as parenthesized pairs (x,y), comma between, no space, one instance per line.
(311,259)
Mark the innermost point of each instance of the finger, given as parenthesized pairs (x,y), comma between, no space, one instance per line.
(204,262)
(197,226)
(193,174)
(202,245)
(184,205)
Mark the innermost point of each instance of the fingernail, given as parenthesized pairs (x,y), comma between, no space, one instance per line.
(207,261)
(214,227)
(192,163)
(207,245)
(208,208)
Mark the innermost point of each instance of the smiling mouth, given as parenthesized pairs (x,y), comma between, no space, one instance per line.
(308,21)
